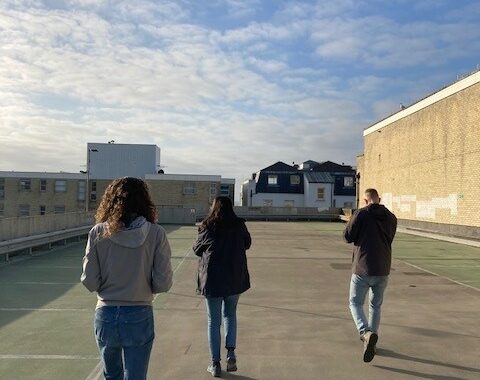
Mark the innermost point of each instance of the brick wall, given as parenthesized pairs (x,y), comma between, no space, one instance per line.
(426,166)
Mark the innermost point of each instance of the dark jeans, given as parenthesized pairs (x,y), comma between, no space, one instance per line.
(124,331)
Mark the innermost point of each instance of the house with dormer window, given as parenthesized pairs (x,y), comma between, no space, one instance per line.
(311,184)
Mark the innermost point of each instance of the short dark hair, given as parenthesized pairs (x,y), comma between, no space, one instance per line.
(372,194)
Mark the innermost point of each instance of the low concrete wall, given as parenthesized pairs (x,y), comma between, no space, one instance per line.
(455,230)
(177,215)
(19,227)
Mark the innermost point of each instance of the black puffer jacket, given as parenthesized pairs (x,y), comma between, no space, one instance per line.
(222,267)
(371,230)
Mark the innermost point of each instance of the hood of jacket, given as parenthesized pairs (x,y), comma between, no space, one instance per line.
(378,211)
(132,238)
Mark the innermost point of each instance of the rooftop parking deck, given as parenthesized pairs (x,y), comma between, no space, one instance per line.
(293,324)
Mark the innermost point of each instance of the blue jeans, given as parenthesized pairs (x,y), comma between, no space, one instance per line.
(359,286)
(124,331)
(216,307)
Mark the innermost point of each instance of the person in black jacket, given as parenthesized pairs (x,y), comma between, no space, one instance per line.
(223,239)
(371,229)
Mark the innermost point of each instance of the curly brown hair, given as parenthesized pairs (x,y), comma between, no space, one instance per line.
(125,199)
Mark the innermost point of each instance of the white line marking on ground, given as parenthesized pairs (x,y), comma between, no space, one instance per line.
(438,275)
(50,357)
(38,283)
(98,370)
(41,309)
(176,268)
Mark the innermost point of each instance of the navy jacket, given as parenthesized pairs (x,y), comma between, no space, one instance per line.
(222,266)
(371,229)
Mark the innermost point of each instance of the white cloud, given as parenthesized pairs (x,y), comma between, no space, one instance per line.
(216,101)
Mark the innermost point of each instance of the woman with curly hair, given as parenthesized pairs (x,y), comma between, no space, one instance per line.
(223,275)
(127,261)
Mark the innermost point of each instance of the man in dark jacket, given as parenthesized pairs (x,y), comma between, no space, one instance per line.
(371,229)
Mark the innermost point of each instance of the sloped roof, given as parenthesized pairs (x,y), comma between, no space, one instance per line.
(280,167)
(329,166)
(319,177)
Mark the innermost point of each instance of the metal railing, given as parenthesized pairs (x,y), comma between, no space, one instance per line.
(25,226)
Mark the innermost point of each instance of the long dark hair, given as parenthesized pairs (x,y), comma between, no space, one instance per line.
(221,215)
(125,199)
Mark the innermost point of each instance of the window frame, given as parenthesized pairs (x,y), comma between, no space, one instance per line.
(322,189)
(58,189)
(292,183)
(272,180)
(22,184)
(43,185)
(189,188)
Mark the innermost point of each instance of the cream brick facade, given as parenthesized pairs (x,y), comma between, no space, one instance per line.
(168,190)
(425,160)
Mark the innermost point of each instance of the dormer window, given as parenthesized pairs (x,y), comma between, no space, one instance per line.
(272,180)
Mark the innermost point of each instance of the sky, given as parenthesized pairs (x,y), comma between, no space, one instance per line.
(222,86)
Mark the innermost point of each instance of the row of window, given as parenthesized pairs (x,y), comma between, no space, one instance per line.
(25,184)
(273,180)
(25,210)
(291,203)
(295,180)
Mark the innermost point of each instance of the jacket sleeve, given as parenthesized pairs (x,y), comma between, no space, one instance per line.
(394,228)
(91,277)
(162,273)
(248,238)
(352,229)
(204,240)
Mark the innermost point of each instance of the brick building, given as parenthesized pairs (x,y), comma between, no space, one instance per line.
(40,193)
(425,160)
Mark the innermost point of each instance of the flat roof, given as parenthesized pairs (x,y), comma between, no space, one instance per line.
(184,177)
(47,175)
(460,85)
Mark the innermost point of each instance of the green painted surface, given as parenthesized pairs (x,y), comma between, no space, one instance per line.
(62,321)
(50,281)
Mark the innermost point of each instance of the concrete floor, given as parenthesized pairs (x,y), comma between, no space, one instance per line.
(294,322)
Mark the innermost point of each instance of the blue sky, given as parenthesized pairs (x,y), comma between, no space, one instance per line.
(222,86)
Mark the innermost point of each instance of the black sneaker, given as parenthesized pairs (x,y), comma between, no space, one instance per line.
(215,369)
(369,341)
(231,361)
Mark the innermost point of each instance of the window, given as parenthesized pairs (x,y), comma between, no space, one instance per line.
(348,181)
(81,190)
(43,210)
(213,189)
(43,185)
(60,186)
(268,202)
(189,188)
(2,188)
(24,210)
(1,210)
(25,184)
(93,192)
(289,203)
(321,193)
(272,180)
(225,190)
(294,180)
(59,210)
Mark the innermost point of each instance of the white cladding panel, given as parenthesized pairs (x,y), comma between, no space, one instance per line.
(111,161)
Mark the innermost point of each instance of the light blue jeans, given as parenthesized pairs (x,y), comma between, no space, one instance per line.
(359,286)
(216,308)
(124,337)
